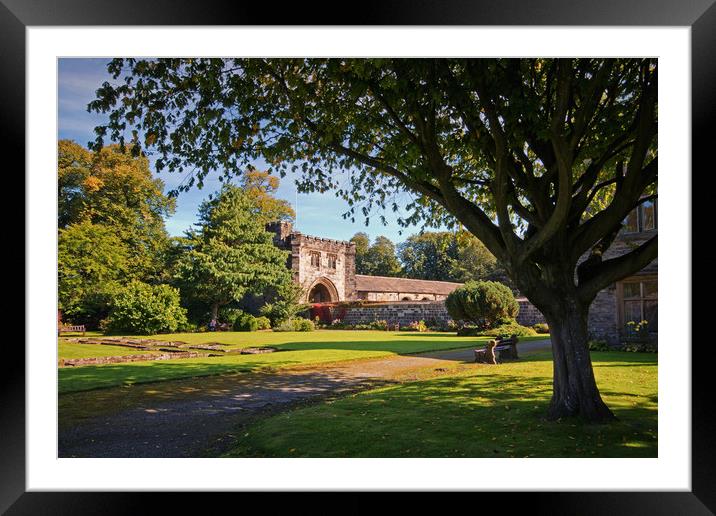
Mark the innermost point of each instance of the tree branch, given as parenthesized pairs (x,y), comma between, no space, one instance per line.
(609,271)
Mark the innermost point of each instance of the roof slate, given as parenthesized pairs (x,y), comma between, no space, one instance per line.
(403,285)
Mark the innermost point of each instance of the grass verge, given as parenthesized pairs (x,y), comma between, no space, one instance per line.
(488,411)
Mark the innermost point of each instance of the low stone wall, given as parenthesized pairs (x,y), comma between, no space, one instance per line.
(74,362)
(432,312)
(529,315)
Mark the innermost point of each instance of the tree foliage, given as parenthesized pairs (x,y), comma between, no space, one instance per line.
(362,243)
(115,189)
(483,303)
(261,187)
(446,256)
(286,303)
(230,254)
(92,262)
(376,259)
(540,159)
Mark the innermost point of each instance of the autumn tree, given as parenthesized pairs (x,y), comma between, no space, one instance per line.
(261,188)
(540,159)
(230,254)
(113,188)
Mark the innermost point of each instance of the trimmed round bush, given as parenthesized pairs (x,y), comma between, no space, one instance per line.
(482,303)
(142,309)
(246,322)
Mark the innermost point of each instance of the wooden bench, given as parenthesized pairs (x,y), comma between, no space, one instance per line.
(498,349)
(72,329)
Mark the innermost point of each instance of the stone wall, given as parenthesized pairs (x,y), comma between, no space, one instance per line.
(528,315)
(404,313)
(603,316)
(429,311)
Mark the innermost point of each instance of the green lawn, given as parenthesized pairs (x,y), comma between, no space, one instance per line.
(489,411)
(298,348)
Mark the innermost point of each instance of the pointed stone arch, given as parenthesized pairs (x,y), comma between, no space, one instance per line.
(322,291)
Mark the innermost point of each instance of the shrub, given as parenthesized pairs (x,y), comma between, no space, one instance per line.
(483,303)
(416,326)
(246,322)
(295,325)
(284,326)
(640,347)
(190,327)
(139,308)
(229,315)
(469,331)
(378,325)
(599,345)
(541,328)
(509,327)
(263,323)
(637,332)
(303,325)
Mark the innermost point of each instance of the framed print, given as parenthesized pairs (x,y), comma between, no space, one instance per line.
(260,266)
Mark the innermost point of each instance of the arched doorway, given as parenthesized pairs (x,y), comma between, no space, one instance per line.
(322,291)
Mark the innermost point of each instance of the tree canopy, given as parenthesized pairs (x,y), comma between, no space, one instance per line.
(92,262)
(378,258)
(446,256)
(540,159)
(113,188)
(261,187)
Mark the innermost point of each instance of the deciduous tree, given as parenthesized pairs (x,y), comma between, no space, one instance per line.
(92,263)
(113,188)
(376,259)
(446,256)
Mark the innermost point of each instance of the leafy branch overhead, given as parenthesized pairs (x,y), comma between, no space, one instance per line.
(518,151)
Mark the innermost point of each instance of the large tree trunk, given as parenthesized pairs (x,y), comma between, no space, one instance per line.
(575,391)
(215,311)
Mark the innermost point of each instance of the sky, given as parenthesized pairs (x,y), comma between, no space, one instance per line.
(317,214)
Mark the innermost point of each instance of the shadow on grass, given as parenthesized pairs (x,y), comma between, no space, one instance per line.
(74,379)
(473,416)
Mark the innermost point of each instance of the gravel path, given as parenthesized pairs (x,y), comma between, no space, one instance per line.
(195,417)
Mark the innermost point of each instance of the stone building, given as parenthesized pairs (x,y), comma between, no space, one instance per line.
(325,269)
(634,298)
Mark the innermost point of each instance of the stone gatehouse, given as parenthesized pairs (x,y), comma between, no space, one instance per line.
(326,270)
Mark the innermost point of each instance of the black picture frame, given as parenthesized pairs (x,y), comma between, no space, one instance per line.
(700,15)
